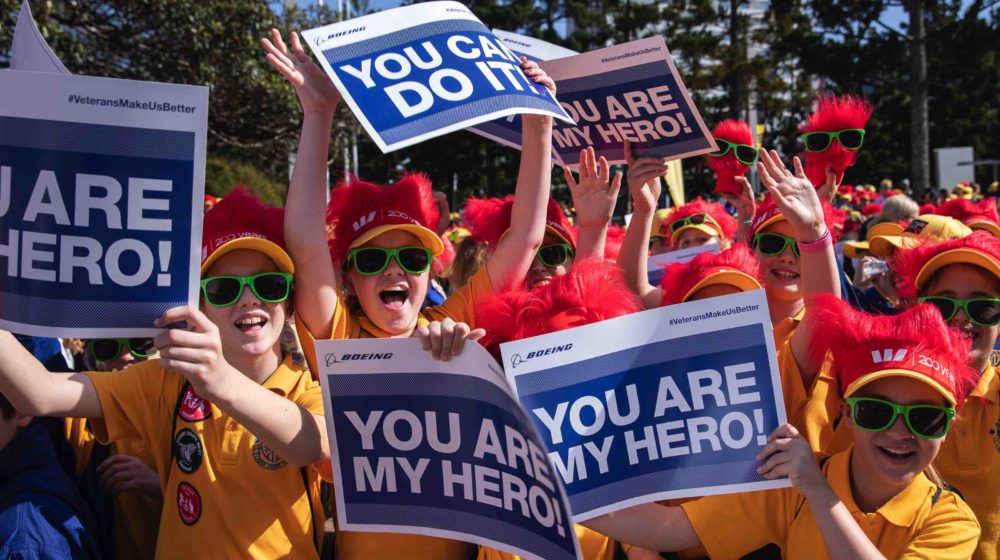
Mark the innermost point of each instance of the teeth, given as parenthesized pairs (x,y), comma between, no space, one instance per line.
(896,452)
(250,321)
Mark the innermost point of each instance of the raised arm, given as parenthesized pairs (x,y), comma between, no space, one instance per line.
(509,263)
(305,207)
(594,198)
(35,391)
(644,185)
(649,526)
(745,208)
(800,205)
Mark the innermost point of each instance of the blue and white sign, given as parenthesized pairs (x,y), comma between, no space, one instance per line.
(669,403)
(626,92)
(507,130)
(436,448)
(657,265)
(101,200)
(424,70)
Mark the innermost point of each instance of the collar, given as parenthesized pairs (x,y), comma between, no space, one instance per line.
(371,328)
(901,510)
(284,379)
(988,386)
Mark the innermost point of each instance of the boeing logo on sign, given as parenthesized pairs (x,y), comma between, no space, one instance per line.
(332,358)
(517,360)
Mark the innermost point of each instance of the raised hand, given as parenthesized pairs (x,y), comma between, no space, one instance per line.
(535,73)
(196,352)
(746,207)
(596,193)
(828,189)
(644,179)
(794,194)
(316,92)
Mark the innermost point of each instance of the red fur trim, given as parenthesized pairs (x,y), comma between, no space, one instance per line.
(354,200)
(832,217)
(850,335)
(681,277)
(907,263)
(833,114)
(488,218)
(241,214)
(727,167)
(613,243)
(968,212)
(699,206)
(592,291)
(871,209)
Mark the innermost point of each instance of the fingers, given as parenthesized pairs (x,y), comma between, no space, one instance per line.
(179,338)
(799,172)
(616,184)
(476,335)
(458,340)
(603,169)
(278,41)
(296,44)
(569,178)
(173,315)
(448,328)
(435,338)
(424,335)
(629,156)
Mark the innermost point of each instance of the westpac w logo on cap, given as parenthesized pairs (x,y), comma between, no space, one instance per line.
(888,355)
(364,220)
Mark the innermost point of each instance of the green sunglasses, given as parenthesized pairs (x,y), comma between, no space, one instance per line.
(269,287)
(984,312)
(878,415)
(555,254)
(774,244)
(107,349)
(694,220)
(369,261)
(849,138)
(743,153)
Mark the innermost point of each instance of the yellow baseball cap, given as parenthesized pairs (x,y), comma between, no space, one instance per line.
(926,227)
(853,248)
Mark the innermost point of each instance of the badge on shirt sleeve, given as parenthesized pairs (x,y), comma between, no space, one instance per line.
(188,450)
(265,457)
(188,503)
(193,408)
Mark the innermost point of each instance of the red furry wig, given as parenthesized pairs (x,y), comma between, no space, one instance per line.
(976,215)
(488,219)
(909,263)
(613,243)
(833,114)
(724,226)
(727,167)
(592,291)
(867,347)
(357,210)
(240,216)
(871,209)
(681,279)
(927,209)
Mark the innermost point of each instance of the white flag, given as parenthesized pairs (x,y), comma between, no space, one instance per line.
(30,52)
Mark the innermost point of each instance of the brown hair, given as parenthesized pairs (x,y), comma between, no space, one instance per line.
(469,256)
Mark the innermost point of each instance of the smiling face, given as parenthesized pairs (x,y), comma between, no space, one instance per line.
(965,281)
(392,298)
(249,327)
(780,272)
(893,457)
(539,274)
(659,245)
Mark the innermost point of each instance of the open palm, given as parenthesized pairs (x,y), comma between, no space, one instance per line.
(793,193)
(315,90)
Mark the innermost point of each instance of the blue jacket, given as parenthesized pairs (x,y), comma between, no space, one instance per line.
(41,515)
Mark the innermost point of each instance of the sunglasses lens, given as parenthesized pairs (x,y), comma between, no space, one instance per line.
(105,349)
(872,415)
(817,141)
(723,148)
(142,347)
(851,139)
(414,260)
(697,219)
(771,244)
(986,312)
(945,306)
(746,154)
(929,421)
(371,261)
(553,255)
(271,288)
(222,291)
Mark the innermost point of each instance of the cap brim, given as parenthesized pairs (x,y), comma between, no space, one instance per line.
(956,256)
(704,228)
(427,237)
(744,282)
(269,248)
(885,245)
(769,222)
(555,232)
(986,226)
(854,249)
(876,375)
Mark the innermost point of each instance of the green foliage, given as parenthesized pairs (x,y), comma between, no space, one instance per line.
(222,175)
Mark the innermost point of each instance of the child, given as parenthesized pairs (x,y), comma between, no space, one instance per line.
(235,427)
(871,501)
(699,223)
(709,275)
(382,245)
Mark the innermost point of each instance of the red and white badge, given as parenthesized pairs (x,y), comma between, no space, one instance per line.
(188,503)
(193,408)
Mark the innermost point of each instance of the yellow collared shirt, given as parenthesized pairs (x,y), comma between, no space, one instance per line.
(593,546)
(225,493)
(911,525)
(969,459)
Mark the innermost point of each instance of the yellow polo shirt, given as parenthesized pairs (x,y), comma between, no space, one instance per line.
(969,459)
(351,545)
(913,524)
(813,412)
(137,515)
(225,493)
(593,546)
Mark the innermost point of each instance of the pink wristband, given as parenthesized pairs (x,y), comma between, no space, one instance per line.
(817,246)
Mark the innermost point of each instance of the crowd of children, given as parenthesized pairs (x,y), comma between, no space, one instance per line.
(210,441)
